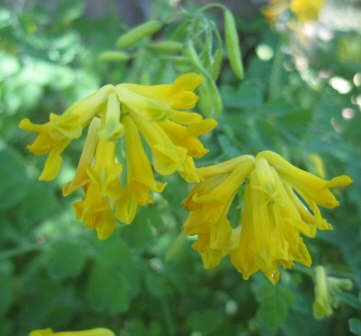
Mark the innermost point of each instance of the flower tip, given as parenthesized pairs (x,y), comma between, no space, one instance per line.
(189,81)
(67,189)
(340,181)
(212,123)
(44,176)
(24,124)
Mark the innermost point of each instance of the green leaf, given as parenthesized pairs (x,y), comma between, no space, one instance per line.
(205,321)
(247,95)
(115,256)
(39,204)
(65,259)
(107,290)
(355,326)
(14,183)
(275,302)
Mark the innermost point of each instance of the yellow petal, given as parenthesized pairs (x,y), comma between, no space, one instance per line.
(148,108)
(224,167)
(86,159)
(89,332)
(313,187)
(112,128)
(180,136)
(188,171)
(167,157)
(188,81)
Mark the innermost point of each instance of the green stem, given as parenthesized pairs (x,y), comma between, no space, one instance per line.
(19,250)
(303,270)
(212,5)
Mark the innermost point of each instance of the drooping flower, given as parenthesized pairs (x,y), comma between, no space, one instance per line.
(136,113)
(89,332)
(280,206)
(209,203)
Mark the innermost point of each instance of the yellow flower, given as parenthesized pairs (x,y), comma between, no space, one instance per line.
(55,135)
(134,113)
(140,178)
(209,203)
(89,332)
(306,10)
(280,205)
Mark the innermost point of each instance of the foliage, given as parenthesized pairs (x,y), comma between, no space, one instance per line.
(146,279)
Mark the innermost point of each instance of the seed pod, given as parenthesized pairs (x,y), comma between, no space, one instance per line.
(114,56)
(210,99)
(134,35)
(178,60)
(193,56)
(217,63)
(166,46)
(232,44)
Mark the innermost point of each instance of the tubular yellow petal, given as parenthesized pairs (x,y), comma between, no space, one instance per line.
(201,127)
(52,167)
(42,332)
(185,118)
(167,157)
(89,332)
(96,212)
(126,207)
(188,81)
(148,108)
(313,187)
(112,128)
(26,125)
(106,170)
(178,95)
(86,159)
(230,185)
(180,136)
(224,167)
(88,107)
(139,170)
(188,170)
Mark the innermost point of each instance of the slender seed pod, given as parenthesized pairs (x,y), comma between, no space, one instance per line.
(166,46)
(178,60)
(217,63)
(193,56)
(114,56)
(134,35)
(232,44)
(210,99)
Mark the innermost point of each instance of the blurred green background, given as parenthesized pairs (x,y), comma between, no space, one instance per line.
(301,95)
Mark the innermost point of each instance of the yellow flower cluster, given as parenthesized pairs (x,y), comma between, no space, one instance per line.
(89,332)
(130,112)
(304,10)
(280,204)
